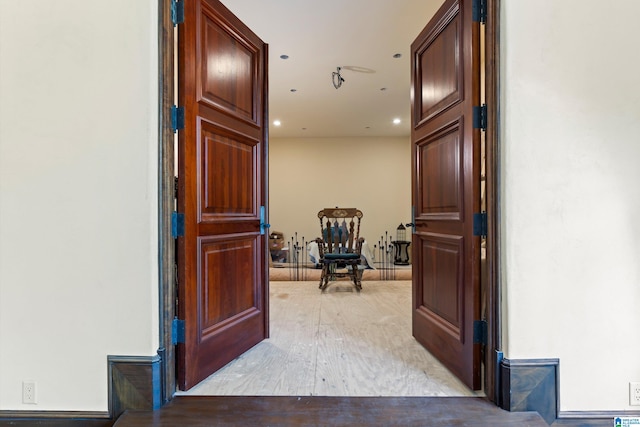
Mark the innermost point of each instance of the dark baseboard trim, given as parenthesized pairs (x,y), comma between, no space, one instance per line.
(54,414)
(591,418)
(533,385)
(56,418)
(135,382)
(597,414)
(530,385)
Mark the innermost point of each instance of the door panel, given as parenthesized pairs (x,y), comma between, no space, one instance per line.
(441,78)
(227,79)
(446,189)
(442,272)
(227,158)
(225,297)
(441,174)
(222,269)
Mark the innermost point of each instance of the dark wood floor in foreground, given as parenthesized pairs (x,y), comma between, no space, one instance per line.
(329,411)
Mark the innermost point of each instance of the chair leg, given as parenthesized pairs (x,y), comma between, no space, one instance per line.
(356,277)
(324,277)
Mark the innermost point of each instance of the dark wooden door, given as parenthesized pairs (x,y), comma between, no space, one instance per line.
(222,169)
(446,189)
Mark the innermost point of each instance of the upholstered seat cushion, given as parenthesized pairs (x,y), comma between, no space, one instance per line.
(346,256)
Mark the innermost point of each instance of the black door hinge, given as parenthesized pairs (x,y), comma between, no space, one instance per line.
(480,11)
(480,117)
(480,224)
(177,118)
(177,331)
(177,224)
(177,12)
(480,332)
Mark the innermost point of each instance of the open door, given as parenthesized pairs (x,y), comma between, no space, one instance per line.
(222,170)
(446,189)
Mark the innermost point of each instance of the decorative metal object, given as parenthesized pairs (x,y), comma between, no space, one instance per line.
(337,79)
(401,247)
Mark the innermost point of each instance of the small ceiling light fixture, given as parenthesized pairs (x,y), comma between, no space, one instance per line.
(396,121)
(277,123)
(294,90)
(397,55)
(337,78)
(284,56)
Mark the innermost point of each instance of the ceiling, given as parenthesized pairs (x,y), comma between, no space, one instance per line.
(361,37)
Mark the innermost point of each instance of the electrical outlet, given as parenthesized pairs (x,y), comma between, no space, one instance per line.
(634,394)
(29,392)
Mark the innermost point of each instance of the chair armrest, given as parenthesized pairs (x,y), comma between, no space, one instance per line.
(359,243)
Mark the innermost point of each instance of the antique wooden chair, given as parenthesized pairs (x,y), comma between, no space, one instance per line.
(340,245)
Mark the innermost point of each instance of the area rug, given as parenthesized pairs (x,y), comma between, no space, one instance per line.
(285,273)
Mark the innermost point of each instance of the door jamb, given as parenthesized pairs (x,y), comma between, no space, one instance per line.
(493,348)
(166,158)
(166,200)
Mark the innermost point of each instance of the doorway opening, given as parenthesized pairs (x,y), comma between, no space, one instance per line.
(167,162)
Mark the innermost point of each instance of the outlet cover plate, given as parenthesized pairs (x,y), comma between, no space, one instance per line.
(29,392)
(634,393)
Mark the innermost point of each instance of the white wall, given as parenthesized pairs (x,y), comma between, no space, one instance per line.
(78,205)
(571,152)
(371,174)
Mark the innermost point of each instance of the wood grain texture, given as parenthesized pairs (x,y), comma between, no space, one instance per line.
(336,343)
(222,152)
(329,411)
(166,198)
(446,163)
(491,273)
(531,385)
(134,383)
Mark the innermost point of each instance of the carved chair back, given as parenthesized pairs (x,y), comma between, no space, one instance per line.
(340,228)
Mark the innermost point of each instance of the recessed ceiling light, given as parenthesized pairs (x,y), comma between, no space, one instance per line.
(397,55)
(396,121)
(277,123)
(284,56)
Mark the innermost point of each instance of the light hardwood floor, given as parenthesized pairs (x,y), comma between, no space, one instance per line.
(336,343)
